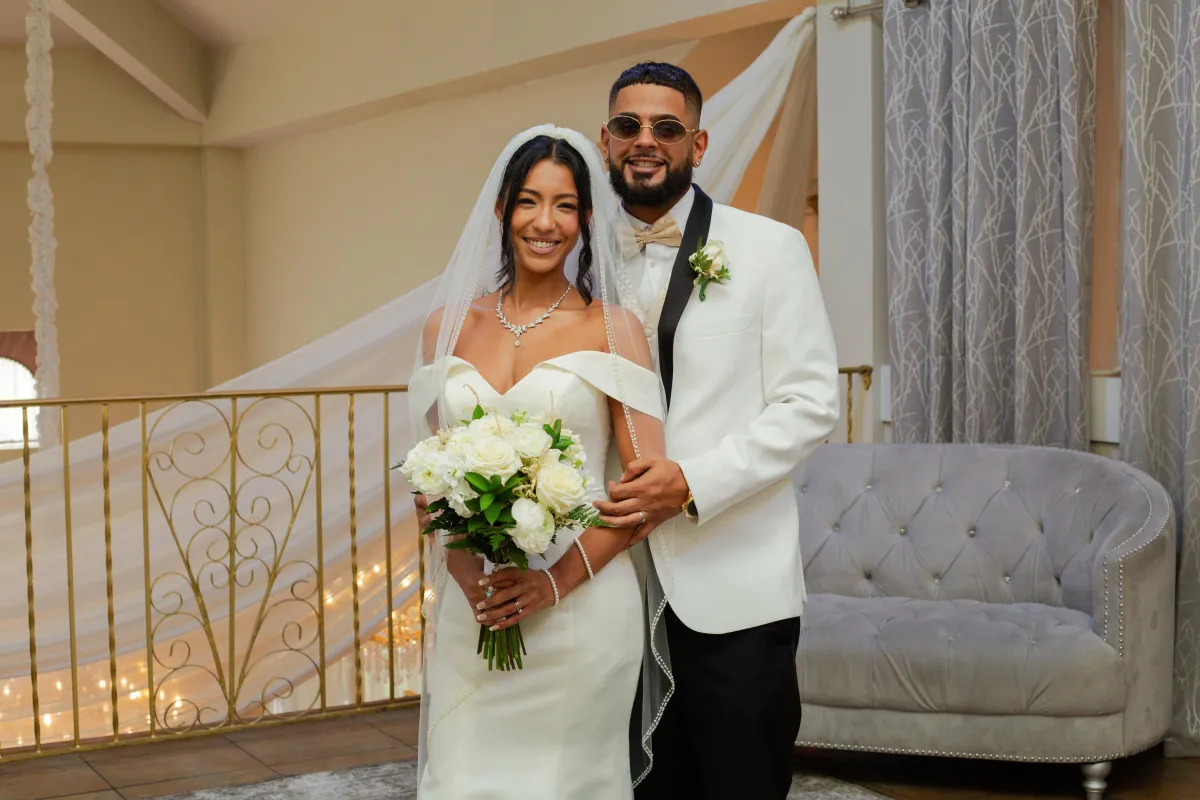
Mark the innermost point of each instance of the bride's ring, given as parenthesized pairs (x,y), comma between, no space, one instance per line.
(517,603)
(643,513)
(491,590)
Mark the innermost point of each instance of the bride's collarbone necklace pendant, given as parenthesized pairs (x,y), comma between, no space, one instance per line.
(518,330)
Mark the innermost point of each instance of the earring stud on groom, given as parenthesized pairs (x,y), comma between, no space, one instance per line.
(748,363)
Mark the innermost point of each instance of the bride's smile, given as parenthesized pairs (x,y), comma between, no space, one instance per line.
(542,247)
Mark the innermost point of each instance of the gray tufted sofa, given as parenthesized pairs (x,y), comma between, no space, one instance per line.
(997,602)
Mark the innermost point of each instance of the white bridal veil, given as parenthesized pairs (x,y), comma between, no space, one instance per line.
(191,682)
(473,273)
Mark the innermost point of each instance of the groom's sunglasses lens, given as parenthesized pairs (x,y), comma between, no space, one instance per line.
(666,131)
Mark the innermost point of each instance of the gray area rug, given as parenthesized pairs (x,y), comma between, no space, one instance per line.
(398,781)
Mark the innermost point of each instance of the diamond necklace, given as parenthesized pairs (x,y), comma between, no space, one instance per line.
(517,330)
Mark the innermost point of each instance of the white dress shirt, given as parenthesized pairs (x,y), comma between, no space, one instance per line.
(659,259)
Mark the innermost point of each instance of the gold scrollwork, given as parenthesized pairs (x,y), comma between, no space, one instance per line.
(231,506)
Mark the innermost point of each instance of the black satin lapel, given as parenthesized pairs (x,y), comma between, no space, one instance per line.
(680,288)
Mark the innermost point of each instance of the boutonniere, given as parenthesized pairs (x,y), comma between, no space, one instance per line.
(709,264)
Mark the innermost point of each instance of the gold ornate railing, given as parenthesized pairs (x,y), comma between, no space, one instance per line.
(254,529)
(218,561)
(865,374)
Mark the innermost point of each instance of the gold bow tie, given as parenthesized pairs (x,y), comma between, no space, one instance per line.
(664,231)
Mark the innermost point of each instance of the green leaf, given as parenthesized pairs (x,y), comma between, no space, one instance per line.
(478,482)
(485,502)
(506,517)
(473,505)
(475,524)
(492,513)
(514,481)
(497,484)
(477,413)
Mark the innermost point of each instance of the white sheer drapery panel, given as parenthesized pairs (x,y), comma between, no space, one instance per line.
(39,95)
(738,117)
(788,182)
(377,349)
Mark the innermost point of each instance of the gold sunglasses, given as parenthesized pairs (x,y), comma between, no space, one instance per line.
(665,131)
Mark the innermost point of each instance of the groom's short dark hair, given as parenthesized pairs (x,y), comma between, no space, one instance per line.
(658,73)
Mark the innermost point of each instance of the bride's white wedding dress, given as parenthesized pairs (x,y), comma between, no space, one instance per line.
(559,728)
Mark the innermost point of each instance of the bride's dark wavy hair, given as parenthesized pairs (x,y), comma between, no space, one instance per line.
(528,156)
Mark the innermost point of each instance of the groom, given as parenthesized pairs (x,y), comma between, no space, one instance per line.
(750,374)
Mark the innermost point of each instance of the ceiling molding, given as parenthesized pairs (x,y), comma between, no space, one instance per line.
(150,44)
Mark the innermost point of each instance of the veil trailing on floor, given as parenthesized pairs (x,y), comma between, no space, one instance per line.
(75,631)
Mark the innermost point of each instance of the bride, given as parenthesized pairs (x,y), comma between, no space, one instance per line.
(526,320)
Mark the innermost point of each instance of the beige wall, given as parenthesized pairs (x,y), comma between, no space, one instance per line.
(181,266)
(340,221)
(148,226)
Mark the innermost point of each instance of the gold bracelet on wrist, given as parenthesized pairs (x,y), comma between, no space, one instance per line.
(690,512)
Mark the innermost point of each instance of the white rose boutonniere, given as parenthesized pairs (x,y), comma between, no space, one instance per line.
(710,265)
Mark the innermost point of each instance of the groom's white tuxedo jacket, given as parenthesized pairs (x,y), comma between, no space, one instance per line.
(751,375)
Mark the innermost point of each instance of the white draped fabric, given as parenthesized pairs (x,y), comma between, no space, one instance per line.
(267,663)
(42,244)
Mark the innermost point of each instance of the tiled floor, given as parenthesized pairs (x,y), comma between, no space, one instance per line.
(153,770)
(143,771)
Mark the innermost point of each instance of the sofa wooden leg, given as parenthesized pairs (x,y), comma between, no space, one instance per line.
(1094,782)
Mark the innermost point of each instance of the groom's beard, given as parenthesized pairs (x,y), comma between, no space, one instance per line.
(635,194)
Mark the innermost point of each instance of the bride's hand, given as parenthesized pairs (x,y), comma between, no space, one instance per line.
(519,593)
(467,571)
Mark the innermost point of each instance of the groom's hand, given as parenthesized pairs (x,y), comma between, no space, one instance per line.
(655,486)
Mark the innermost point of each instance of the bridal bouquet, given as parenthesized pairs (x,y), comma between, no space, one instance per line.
(502,487)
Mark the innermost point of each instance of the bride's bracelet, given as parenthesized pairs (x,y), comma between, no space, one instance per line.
(553,585)
(586,563)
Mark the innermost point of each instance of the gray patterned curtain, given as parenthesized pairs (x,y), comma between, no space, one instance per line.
(989,132)
(1160,313)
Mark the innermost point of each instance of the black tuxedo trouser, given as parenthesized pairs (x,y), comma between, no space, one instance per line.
(730,730)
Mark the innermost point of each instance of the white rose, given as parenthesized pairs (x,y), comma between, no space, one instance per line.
(491,456)
(560,486)
(430,445)
(416,456)
(492,424)
(715,253)
(531,441)
(534,528)
(461,433)
(431,475)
